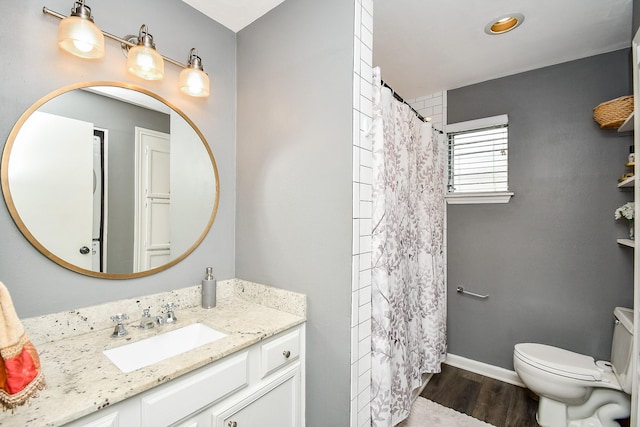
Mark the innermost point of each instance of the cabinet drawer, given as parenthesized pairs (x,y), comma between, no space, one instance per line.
(192,394)
(279,352)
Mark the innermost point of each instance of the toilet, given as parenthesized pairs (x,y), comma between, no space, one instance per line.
(574,389)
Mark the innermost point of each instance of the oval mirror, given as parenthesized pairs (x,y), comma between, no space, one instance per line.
(109,180)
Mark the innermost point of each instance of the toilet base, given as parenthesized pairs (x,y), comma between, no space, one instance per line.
(602,409)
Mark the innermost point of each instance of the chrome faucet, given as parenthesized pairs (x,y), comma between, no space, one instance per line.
(119,331)
(171,317)
(146,322)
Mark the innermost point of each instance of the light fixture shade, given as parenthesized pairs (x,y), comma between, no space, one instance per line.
(81,37)
(194,82)
(145,62)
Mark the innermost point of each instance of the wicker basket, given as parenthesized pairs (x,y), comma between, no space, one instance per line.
(611,114)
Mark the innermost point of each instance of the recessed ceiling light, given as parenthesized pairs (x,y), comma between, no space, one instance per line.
(504,23)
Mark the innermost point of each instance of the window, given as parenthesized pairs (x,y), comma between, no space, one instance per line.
(478,161)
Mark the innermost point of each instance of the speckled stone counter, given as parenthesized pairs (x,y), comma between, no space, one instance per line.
(81,380)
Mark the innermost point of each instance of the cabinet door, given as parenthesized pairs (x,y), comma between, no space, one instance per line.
(277,404)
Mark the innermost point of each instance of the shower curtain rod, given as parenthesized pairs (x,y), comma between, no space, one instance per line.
(399,98)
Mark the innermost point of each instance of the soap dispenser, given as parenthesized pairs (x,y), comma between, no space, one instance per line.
(209,290)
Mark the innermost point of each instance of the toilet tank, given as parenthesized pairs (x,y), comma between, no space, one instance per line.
(621,347)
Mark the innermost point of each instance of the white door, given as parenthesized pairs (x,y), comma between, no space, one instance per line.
(56,202)
(152,244)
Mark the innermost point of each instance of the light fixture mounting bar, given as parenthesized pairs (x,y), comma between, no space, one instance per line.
(112,37)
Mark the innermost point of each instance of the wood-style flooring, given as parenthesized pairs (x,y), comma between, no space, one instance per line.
(486,399)
(483,398)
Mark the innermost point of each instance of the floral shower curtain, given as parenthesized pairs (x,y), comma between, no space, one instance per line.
(408,277)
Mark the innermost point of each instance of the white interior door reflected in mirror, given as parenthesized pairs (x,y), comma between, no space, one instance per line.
(66,198)
(152,243)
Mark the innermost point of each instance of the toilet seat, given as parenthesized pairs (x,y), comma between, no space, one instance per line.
(558,361)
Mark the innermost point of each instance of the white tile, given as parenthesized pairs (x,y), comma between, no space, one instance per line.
(356,241)
(364,262)
(366,158)
(366,177)
(366,140)
(366,36)
(367,20)
(356,345)
(356,91)
(365,122)
(364,364)
(364,295)
(366,72)
(364,381)
(364,328)
(364,399)
(366,106)
(364,417)
(365,246)
(356,55)
(355,311)
(364,347)
(355,271)
(355,381)
(365,278)
(365,226)
(365,210)
(355,414)
(356,200)
(368,5)
(366,88)
(365,191)
(356,164)
(366,54)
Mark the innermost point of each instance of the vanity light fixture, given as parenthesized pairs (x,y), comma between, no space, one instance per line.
(78,35)
(143,59)
(193,80)
(504,24)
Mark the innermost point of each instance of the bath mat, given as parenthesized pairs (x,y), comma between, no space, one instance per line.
(425,413)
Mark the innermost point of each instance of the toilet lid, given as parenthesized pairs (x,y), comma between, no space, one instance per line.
(558,361)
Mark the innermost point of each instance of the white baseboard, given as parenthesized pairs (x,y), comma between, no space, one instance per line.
(491,371)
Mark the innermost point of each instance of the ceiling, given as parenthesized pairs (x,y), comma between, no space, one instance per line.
(426,46)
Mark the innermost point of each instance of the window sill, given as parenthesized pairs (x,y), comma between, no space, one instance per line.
(478,198)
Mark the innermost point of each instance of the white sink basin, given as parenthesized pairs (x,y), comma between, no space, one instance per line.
(139,354)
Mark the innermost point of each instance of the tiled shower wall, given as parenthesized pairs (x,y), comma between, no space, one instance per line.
(433,106)
(362,214)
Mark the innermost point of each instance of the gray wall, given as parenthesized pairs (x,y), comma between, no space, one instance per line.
(549,258)
(120,119)
(636,16)
(294,208)
(32,66)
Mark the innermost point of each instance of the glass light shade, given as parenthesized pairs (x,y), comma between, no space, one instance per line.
(145,62)
(194,82)
(81,37)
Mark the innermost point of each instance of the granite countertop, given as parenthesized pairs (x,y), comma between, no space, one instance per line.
(81,379)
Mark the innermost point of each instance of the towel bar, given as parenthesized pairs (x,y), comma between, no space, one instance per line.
(461,290)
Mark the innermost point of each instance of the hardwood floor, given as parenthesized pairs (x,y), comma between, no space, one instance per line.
(486,399)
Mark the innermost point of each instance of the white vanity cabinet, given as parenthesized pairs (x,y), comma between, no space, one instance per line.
(262,385)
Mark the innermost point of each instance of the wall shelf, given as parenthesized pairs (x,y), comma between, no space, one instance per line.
(627,183)
(627,242)
(627,125)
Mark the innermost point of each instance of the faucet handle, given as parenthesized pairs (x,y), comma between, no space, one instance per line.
(171,317)
(170,306)
(119,331)
(119,318)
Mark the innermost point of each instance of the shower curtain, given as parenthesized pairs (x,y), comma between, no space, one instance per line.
(408,277)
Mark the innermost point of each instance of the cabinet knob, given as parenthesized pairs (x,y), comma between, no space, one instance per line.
(286,354)
(232,424)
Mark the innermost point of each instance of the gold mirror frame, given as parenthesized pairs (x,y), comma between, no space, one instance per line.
(4,177)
